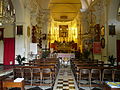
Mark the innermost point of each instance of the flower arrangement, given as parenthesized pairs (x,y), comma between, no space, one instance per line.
(45,53)
(86,53)
(20,59)
(111,59)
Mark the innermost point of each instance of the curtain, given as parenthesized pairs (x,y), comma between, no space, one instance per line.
(9,51)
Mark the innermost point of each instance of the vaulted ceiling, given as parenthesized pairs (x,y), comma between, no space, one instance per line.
(64,10)
(61,10)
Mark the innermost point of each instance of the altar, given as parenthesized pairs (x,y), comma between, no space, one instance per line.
(64,58)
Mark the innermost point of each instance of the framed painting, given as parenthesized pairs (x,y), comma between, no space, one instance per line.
(1,33)
(20,30)
(63,30)
(111,29)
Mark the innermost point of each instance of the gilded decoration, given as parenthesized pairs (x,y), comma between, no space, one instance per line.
(64,46)
(28,31)
(1,8)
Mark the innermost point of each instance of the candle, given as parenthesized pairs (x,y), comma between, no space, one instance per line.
(14,11)
(8,7)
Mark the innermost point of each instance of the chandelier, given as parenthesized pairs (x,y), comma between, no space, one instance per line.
(7,12)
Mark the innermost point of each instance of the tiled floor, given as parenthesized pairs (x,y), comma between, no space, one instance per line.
(65,80)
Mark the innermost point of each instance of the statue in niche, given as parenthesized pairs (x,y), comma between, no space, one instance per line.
(97,32)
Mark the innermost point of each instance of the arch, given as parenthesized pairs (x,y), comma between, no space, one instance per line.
(19,8)
(113,9)
(84,4)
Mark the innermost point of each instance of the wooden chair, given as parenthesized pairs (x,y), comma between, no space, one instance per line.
(47,75)
(107,75)
(116,76)
(96,74)
(36,75)
(17,72)
(85,75)
(27,74)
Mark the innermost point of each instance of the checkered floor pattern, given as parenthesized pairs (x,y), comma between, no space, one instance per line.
(65,80)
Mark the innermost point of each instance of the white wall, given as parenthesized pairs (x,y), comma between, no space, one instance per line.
(1,51)
(19,39)
(22,42)
(112,19)
(27,40)
(112,45)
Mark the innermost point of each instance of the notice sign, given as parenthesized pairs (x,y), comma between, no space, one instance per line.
(33,48)
(96,47)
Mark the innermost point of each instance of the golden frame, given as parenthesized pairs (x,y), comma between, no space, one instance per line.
(102,31)
(1,8)
(28,31)
(63,30)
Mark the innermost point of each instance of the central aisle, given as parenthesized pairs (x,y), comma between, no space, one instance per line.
(65,80)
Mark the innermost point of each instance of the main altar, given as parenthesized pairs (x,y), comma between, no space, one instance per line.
(63,38)
(64,47)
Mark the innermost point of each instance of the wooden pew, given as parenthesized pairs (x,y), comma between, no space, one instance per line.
(52,72)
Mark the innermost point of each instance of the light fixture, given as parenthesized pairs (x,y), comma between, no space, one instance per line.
(7,12)
(0,24)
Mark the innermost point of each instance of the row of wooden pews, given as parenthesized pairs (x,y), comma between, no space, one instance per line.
(94,70)
(40,72)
